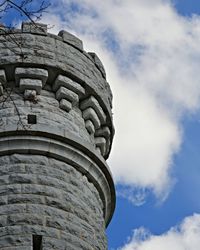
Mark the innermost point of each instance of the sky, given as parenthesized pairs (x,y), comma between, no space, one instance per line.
(151,53)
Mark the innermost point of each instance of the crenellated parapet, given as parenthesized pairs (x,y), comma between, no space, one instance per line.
(55,105)
(77,78)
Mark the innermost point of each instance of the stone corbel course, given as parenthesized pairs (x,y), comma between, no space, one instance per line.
(95,120)
(93,114)
(68,93)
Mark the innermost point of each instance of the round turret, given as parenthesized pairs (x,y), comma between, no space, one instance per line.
(56,132)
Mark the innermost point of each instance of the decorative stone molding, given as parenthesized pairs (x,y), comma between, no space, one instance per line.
(30,81)
(64,93)
(92,102)
(31,73)
(95,120)
(68,92)
(91,115)
(30,84)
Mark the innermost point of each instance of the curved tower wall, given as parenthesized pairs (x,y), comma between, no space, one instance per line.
(56,190)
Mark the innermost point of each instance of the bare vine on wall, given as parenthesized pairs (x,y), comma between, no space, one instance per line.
(29,10)
(7,100)
(25,8)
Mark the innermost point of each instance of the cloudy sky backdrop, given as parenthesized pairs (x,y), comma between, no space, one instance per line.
(151,52)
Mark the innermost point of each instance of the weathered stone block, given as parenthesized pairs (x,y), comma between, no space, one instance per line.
(98,63)
(101,143)
(25,198)
(90,126)
(65,105)
(3,200)
(3,221)
(40,230)
(69,84)
(90,114)
(103,131)
(23,219)
(15,240)
(31,73)
(35,28)
(30,95)
(71,39)
(30,84)
(64,93)
(93,103)
(10,189)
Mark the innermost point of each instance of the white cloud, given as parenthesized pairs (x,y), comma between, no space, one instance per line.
(186,236)
(154,75)
(135,195)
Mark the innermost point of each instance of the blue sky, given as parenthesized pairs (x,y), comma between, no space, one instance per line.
(182,202)
(151,52)
(187,8)
(183,199)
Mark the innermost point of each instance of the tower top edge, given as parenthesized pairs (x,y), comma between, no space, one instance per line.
(41,29)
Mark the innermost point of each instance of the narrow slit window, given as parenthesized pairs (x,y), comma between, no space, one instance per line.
(37,242)
(32,119)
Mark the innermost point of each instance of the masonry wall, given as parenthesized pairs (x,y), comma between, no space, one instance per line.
(43,196)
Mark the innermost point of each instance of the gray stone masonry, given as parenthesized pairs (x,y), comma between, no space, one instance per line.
(56,132)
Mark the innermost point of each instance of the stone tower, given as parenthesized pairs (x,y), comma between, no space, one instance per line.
(56,190)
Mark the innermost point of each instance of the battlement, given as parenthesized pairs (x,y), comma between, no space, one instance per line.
(66,68)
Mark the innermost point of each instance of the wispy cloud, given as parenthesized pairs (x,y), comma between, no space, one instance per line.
(184,236)
(152,56)
(136,195)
